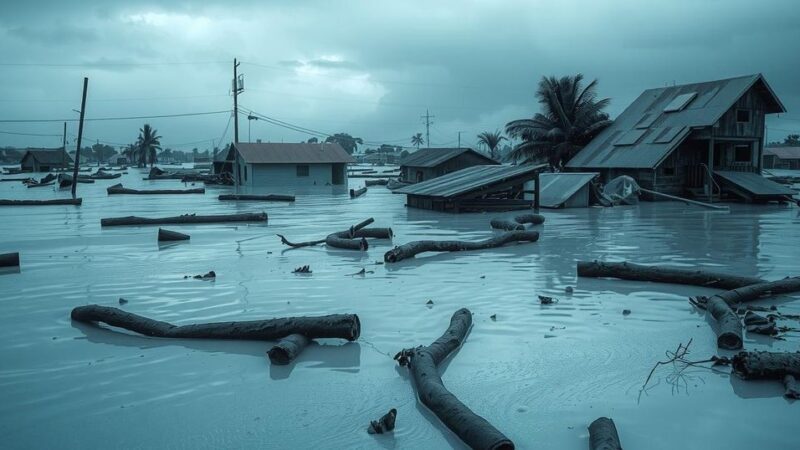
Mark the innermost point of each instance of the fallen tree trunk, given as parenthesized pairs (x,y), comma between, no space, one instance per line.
(257,197)
(414,248)
(518,223)
(287,349)
(347,239)
(471,428)
(766,365)
(729,328)
(342,326)
(358,192)
(663,274)
(46,183)
(53,201)
(167,235)
(119,189)
(603,435)
(186,218)
(378,182)
(9,259)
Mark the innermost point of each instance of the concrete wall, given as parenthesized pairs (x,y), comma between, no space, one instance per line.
(286,175)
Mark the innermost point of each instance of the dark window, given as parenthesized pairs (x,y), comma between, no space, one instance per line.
(742,153)
(668,171)
(302,170)
(245,173)
(743,115)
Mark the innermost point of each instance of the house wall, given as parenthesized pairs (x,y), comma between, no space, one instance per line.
(286,175)
(462,161)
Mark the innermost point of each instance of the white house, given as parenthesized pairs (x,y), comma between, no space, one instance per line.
(276,164)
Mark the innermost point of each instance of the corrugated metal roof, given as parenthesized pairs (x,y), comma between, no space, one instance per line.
(664,131)
(754,183)
(557,188)
(467,180)
(49,155)
(783,152)
(303,153)
(432,157)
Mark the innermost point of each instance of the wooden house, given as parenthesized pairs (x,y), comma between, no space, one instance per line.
(428,163)
(702,139)
(277,164)
(45,160)
(782,158)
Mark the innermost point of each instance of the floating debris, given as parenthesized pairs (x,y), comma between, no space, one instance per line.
(384,424)
(302,269)
(568,290)
(626,312)
(122,301)
(543,300)
(493,317)
(208,276)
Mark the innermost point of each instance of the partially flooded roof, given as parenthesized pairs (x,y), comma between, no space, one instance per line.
(432,157)
(470,179)
(557,188)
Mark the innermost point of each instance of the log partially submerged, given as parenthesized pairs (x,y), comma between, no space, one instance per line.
(46,183)
(342,326)
(167,235)
(471,428)
(766,365)
(186,218)
(287,349)
(603,435)
(414,248)
(664,274)
(518,223)
(351,239)
(258,197)
(119,189)
(9,259)
(358,192)
(52,201)
(377,182)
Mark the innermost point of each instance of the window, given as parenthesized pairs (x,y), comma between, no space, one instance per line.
(742,115)
(302,170)
(742,153)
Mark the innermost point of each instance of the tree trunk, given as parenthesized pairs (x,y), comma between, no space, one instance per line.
(471,428)
(414,248)
(9,259)
(729,327)
(287,349)
(264,198)
(518,224)
(766,365)
(347,239)
(358,192)
(167,235)
(186,218)
(663,274)
(603,435)
(55,201)
(118,189)
(342,326)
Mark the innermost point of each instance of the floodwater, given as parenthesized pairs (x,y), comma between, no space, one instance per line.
(540,374)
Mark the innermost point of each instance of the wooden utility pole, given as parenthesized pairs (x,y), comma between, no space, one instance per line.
(236,91)
(428,123)
(80,136)
(64,145)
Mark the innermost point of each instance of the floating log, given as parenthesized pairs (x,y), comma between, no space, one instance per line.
(414,248)
(471,428)
(603,435)
(664,274)
(351,239)
(342,326)
(186,218)
(119,189)
(766,365)
(377,182)
(167,235)
(14,179)
(9,259)
(99,175)
(518,224)
(52,201)
(258,197)
(358,192)
(287,349)
(46,183)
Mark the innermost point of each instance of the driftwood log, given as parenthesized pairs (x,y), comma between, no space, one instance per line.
(358,192)
(378,182)
(9,259)
(167,235)
(54,201)
(342,326)
(471,428)
(352,239)
(46,183)
(663,274)
(287,349)
(603,435)
(518,223)
(119,189)
(766,365)
(186,218)
(258,197)
(414,248)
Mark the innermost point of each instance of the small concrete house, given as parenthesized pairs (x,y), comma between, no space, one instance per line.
(45,160)
(276,164)
(428,163)
(782,158)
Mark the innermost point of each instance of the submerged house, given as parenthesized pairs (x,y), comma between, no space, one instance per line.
(45,160)
(277,164)
(701,139)
(782,158)
(429,163)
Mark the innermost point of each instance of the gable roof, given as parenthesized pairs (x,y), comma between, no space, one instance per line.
(303,153)
(783,152)
(49,155)
(644,134)
(471,179)
(432,157)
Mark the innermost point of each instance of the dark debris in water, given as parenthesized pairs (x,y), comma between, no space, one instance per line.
(544,300)
(302,269)
(384,424)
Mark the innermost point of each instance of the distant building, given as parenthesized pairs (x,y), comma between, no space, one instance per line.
(118,160)
(45,160)
(782,158)
(702,139)
(428,163)
(276,164)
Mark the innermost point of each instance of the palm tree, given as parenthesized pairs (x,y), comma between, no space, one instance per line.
(148,144)
(491,140)
(129,152)
(571,116)
(417,140)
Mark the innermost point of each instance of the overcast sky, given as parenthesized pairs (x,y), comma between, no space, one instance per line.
(369,68)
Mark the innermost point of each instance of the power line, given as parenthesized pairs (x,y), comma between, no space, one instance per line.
(112,64)
(100,119)
(30,134)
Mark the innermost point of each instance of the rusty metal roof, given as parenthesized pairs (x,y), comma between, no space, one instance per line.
(557,188)
(465,181)
(644,134)
(432,157)
(303,153)
(49,155)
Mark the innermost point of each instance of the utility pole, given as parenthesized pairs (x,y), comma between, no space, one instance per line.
(236,90)
(428,123)
(80,136)
(64,144)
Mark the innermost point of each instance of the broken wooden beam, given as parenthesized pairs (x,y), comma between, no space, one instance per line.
(119,189)
(287,349)
(258,197)
(603,435)
(471,428)
(167,235)
(414,248)
(664,274)
(342,326)
(184,219)
(358,192)
(52,201)
(766,365)
(9,259)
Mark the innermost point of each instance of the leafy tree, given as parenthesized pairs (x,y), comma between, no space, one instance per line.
(348,143)
(417,140)
(102,152)
(148,145)
(571,116)
(404,154)
(491,140)
(312,140)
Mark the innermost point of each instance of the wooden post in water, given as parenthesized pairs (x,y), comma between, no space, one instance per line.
(80,136)
(710,170)
(536,194)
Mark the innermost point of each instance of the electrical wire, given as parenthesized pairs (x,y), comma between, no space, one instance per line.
(102,119)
